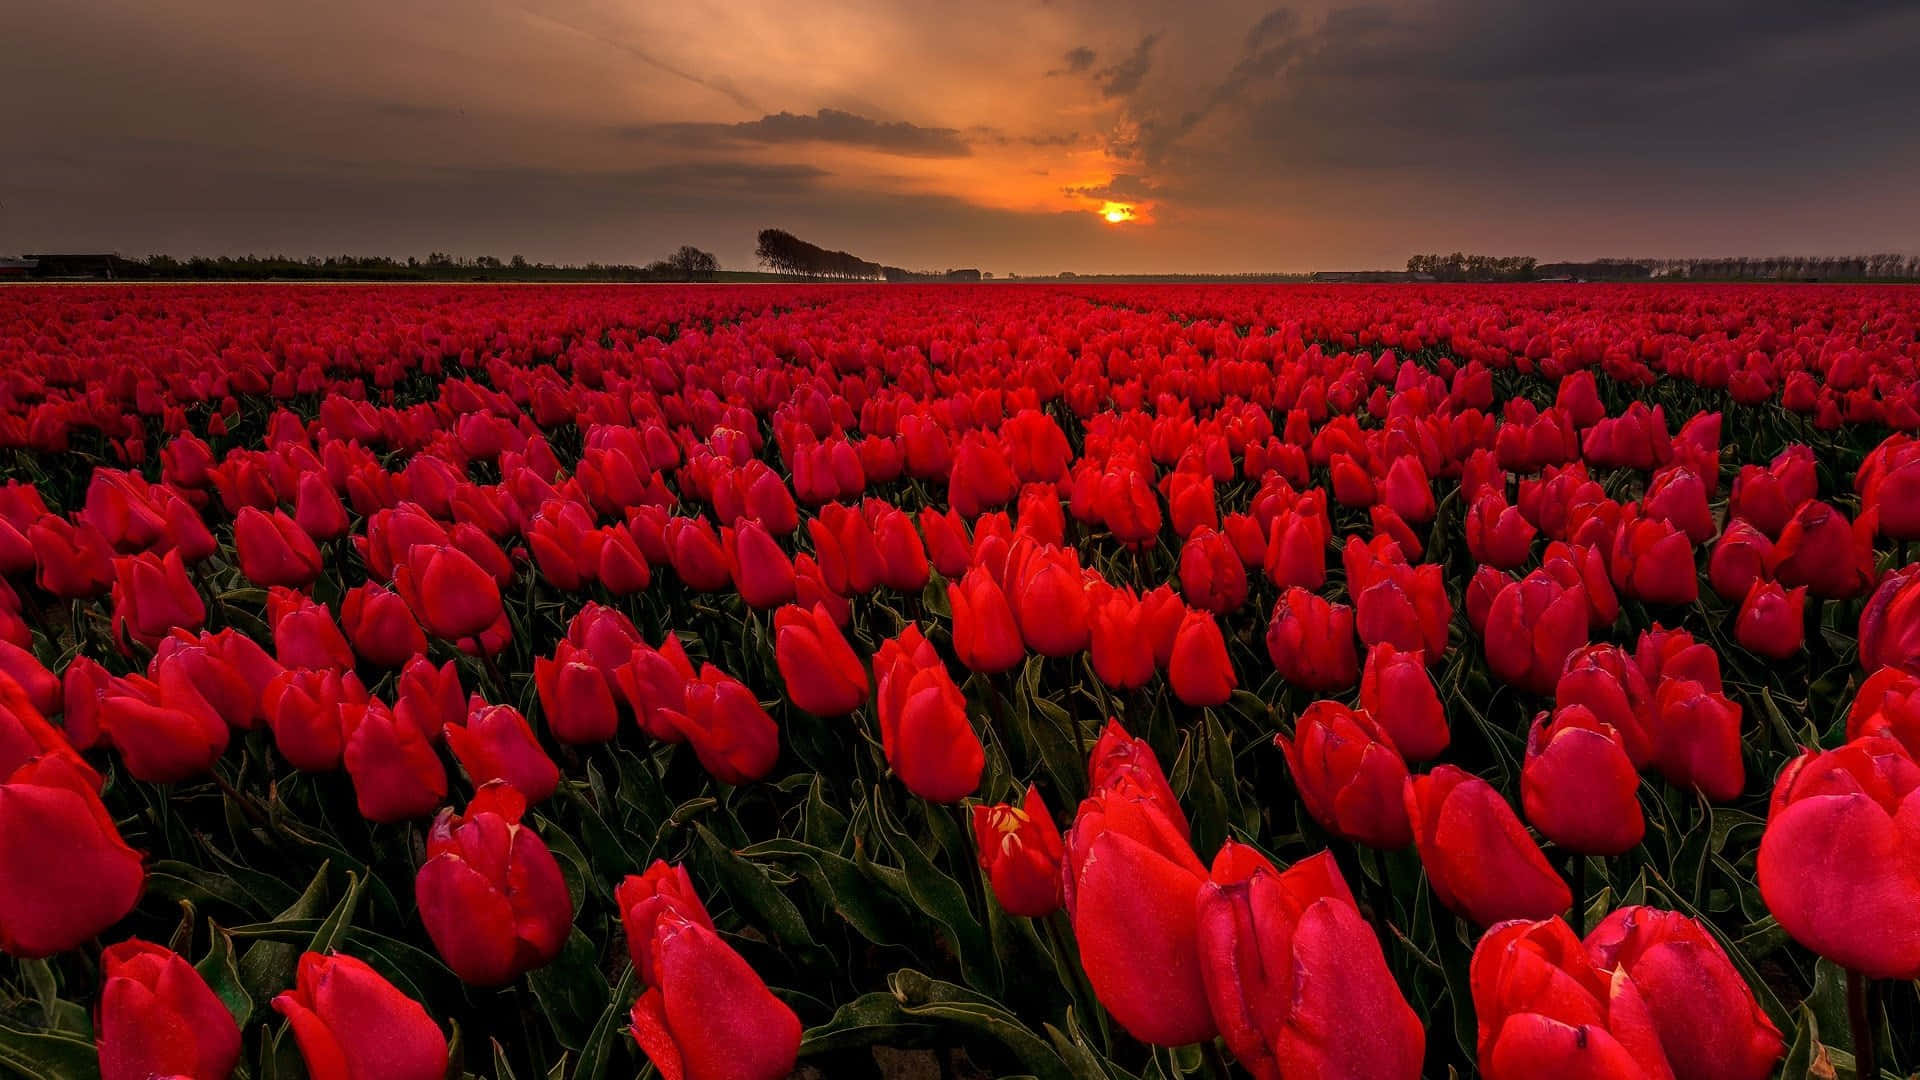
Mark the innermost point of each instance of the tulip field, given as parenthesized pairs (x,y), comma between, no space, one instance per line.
(946,682)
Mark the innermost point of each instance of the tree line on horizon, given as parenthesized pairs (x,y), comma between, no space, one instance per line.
(1492,268)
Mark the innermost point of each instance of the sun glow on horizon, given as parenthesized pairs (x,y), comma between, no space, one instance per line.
(1116,213)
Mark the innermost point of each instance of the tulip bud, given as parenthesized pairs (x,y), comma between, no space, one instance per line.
(985,635)
(923,721)
(65,873)
(354,1025)
(496,743)
(1200,671)
(1578,787)
(1479,858)
(274,550)
(1311,642)
(158,1017)
(380,627)
(396,775)
(1397,690)
(821,671)
(575,697)
(1772,621)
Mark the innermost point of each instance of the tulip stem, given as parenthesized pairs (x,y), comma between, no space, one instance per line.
(1216,1062)
(1866,1065)
(1579,869)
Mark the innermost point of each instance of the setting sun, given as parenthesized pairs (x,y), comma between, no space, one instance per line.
(1117,213)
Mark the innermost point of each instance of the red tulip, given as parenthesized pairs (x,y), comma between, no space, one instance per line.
(1297,550)
(1653,562)
(1311,642)
(490,893)
(274,550)
(305,634)
(575,697)
(495,742)
(151,596)
(1739,559)
(1697,739)
(1890,623)
(734,738)
(65,873)
(429,698)
(903,560)
(25,734)
(1709,1023)
(923,721)
(1200,671)
(165,730)
(1121,643)
(1836,863)
(1396,689)
(1820,549)
(1532,627)
(1768,496)
(1394,602)
(706,1015)
(380,626)
(448,591)
(1020,852)
(1545,1010)
(1889,485)
(1349,775)
(760,570)
(1295,979)
(1479,859)
(74,561)
(1578,786)
(158,1017)
(1772,620)
(1132,883)
(946,541)
(821,671)
(654,683)
(351,1024)
(303,708)
(1888,704)
(985,635)
(396,775)
(1211,574)
(1049,600)
(1678,496)
(1498,535)
(1407,491)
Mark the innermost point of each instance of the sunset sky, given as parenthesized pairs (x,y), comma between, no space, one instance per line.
(1230,136)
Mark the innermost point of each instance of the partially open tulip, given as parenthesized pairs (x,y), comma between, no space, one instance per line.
(65,873)
(1311,642)
(1295,977)
(1888,704)
(165,730)
(1049,600)
(1739,559)
(490,893)
(158,1017)
(352,1024)
(1889,485)
(1020,851)
(495,742)
(303,708)
(1211,574)
(1398,692)
(923,721)
(1772,620)
(1200,672)
(822,673)
(1836,864)
(985,635)
(1479,858)
(1578,786)
(1349,775)
(1710,1024)
(429,698)
(1652,561)
(1498,535)
(1545,1010)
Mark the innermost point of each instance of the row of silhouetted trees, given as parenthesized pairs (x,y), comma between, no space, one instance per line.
(784,253)
(1463,267)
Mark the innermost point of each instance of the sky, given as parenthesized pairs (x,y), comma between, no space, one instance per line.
(1228,136)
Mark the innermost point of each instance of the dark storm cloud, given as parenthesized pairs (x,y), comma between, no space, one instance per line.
(1078,59)
(1126,76)
(826,125)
